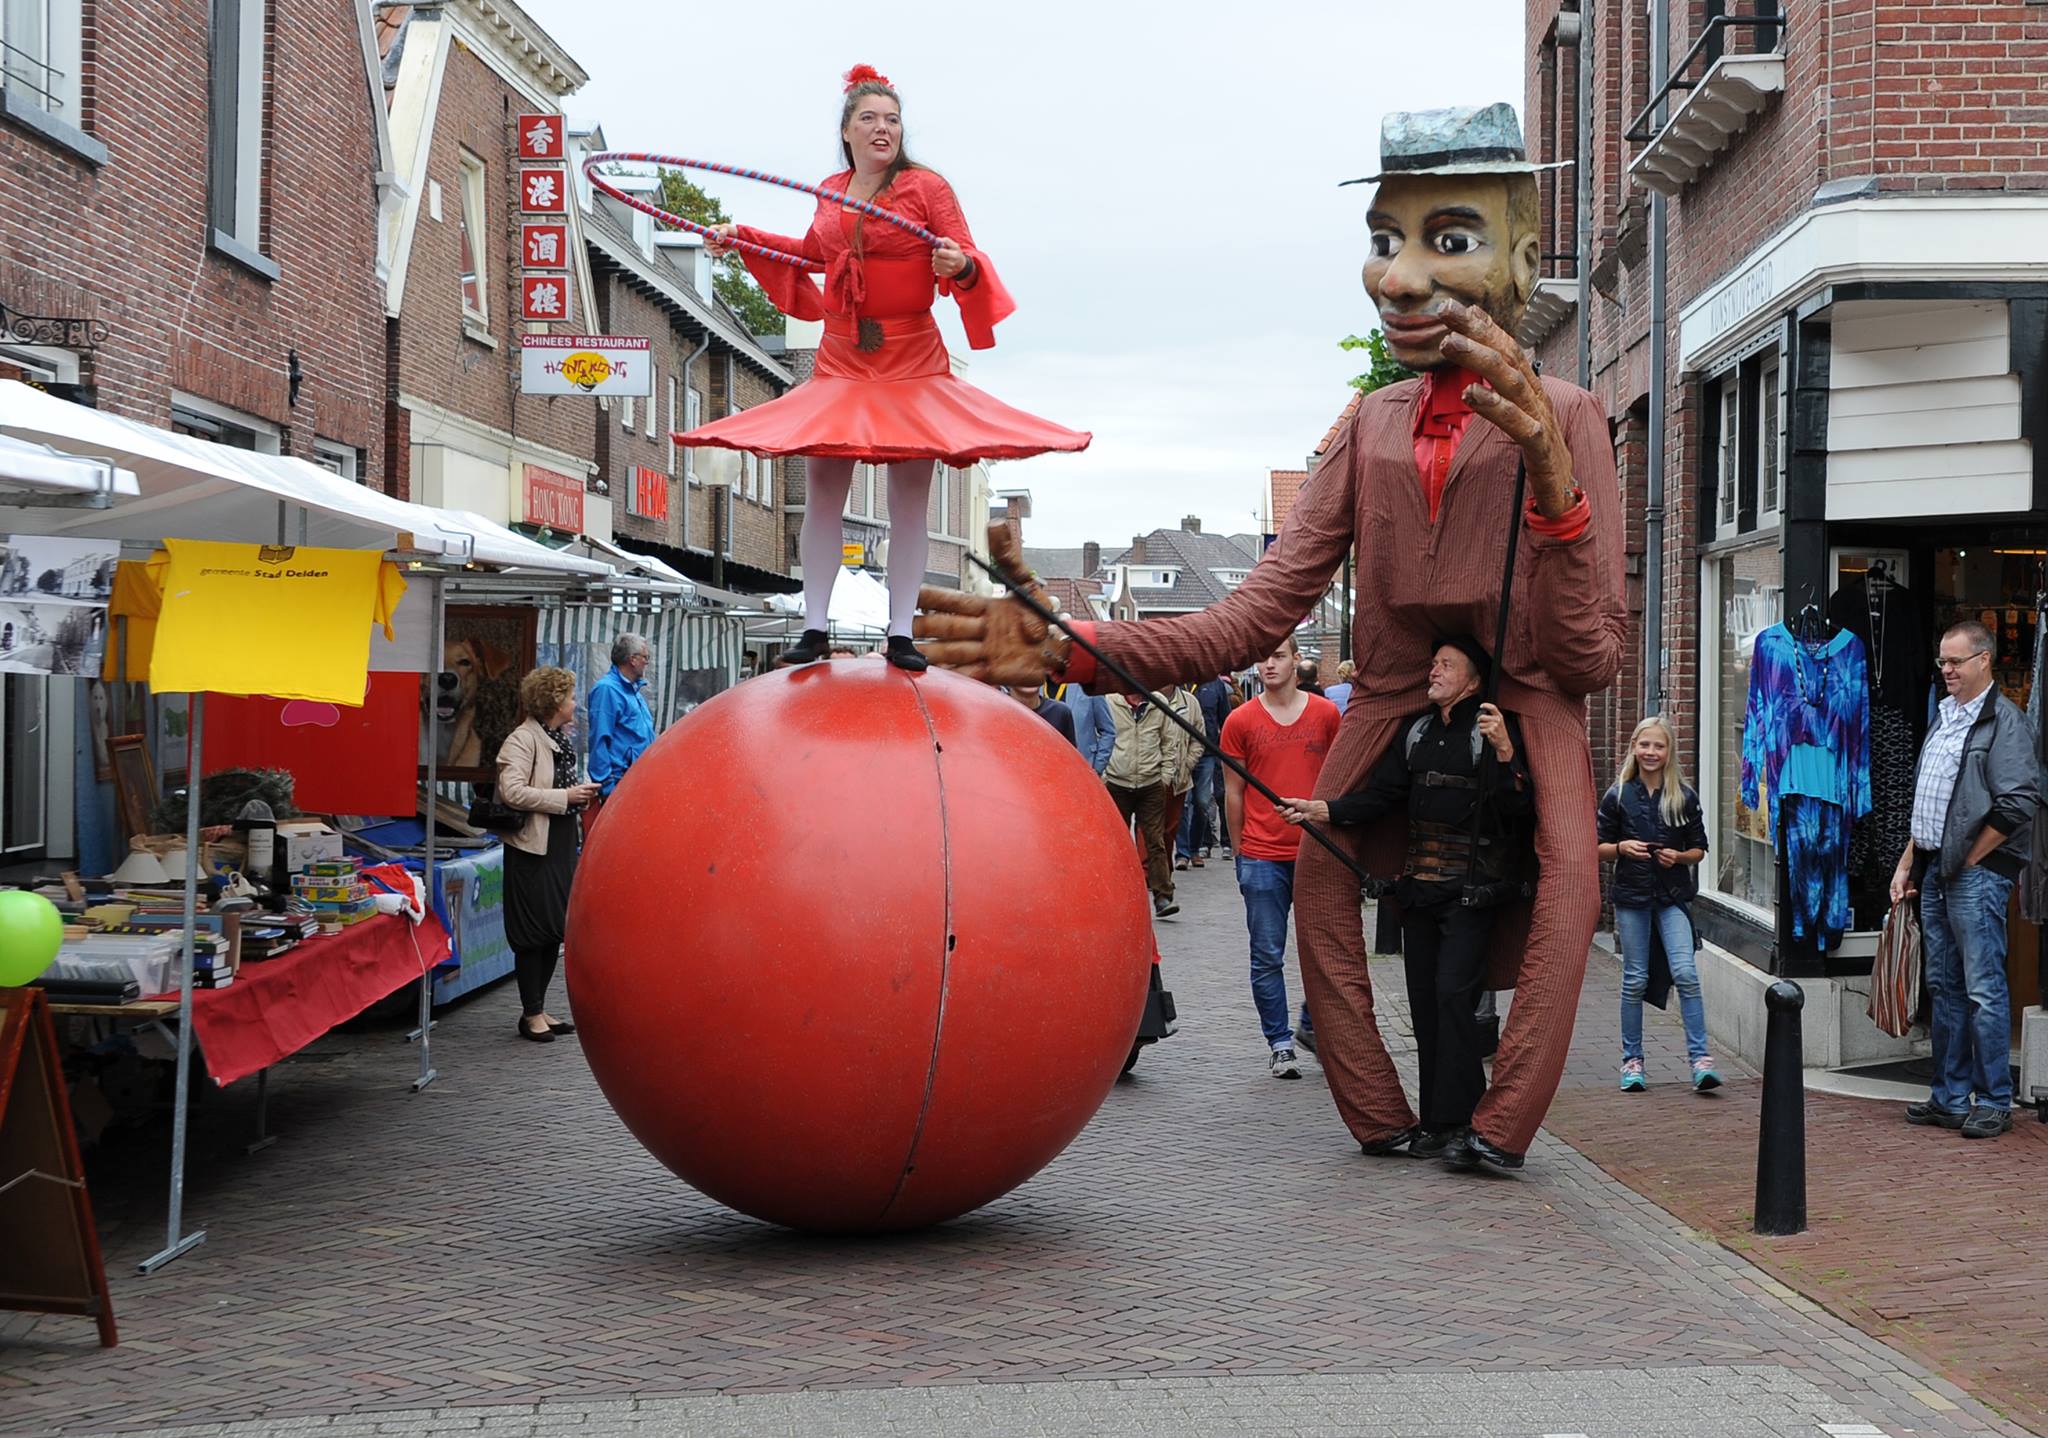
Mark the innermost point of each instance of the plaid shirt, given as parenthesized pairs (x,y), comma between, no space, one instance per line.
(1940,758)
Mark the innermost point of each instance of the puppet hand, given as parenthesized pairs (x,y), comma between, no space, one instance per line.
(996,640)
(948,259)
(1515,403)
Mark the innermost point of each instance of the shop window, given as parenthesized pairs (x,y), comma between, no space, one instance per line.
(1770,452)
(235,126)
(339,459)
(1741,595)
(475,241)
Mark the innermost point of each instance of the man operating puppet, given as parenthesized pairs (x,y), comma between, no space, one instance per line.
(1421,481)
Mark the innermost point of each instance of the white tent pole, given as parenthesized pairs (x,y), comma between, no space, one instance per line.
(424,1032)
(174,1244)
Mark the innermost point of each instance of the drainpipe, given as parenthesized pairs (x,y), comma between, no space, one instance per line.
(1584,243)
(1653,505)
(688,364)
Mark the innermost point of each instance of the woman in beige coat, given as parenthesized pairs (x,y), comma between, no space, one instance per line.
(537,776)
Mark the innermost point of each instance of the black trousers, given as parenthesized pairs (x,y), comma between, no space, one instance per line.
(1443,950)
(535,969)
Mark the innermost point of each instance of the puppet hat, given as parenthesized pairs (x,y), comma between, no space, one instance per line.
(1463,140)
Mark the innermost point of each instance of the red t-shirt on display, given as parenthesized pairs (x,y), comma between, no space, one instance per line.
(1288,757)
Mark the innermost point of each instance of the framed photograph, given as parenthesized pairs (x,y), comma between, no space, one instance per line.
(41,568)
(100,708)
(485,652)
(134,782)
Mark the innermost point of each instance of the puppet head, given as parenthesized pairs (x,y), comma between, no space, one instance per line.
(1455,217)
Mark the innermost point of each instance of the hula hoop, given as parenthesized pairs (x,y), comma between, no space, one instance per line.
(872,211)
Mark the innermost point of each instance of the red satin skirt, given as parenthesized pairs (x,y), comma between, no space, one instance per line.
(896,403)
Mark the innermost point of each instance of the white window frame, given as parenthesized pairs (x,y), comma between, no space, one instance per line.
(768,480)
(671,430)
(43,59)
(653,415)
(1770,443)
(473,223)
(750,474)
(626,413)
(1728,460)
(266,438)
(692,405)
(343,460)
(235,99)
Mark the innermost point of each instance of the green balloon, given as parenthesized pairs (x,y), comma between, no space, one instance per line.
(31,931)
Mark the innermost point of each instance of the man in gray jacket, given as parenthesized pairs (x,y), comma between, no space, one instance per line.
(1973,809)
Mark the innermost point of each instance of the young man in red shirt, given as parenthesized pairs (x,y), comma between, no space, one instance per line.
(1282,737)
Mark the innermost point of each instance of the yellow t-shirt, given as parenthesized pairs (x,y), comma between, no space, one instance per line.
(285,620)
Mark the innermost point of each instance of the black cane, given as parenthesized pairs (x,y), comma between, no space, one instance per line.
(1373,885)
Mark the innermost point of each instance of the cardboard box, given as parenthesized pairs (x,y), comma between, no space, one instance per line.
(307,843)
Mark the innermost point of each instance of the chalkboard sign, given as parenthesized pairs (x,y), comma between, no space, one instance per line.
(51,1262)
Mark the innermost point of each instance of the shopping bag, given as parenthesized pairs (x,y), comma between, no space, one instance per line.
(1895,976)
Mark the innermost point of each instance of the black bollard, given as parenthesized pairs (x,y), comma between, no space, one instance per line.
(1781,1136)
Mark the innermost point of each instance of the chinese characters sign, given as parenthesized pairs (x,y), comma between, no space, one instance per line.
(544,297)
(544,246)
(585,364)
(540,137)
(543,192)
(553,500)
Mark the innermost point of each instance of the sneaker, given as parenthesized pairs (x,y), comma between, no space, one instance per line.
(1632,1080)
(1285,1065)
(1987,1122)
(1162,907)
(1181,862)
(1928,1116)
(1703,1075)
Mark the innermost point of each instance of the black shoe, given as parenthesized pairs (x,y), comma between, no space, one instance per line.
(1387,1147)
(1431,1143)
(555,1028)
(1305,1039)
(1928,1116)
(1162,907)
(903,654)
(1480,1151)
(1987,1122)
(807,650)
(544,1036)
(1457,1151)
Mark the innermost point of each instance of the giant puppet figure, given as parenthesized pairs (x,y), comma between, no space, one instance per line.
(1421,482)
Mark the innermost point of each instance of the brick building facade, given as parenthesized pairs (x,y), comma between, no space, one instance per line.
(1854,377)
(183,244)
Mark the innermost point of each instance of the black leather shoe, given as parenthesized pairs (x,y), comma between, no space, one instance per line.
(568,1028)
(807,650)
(1484,1152)
(902,653)
(1457,1151)
(542,1037)
(1431,1143)
(1387,1147)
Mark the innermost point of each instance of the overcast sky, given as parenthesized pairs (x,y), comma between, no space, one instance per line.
(1157,185)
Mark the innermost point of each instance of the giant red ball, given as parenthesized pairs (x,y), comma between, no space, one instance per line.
(855,950)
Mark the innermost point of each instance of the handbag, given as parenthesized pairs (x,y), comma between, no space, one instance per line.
(1895,975)
(488,814)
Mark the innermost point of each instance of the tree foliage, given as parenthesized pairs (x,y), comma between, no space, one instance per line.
(734,287)
(1385,369)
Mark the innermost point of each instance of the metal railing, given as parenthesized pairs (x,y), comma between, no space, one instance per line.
(1768,30)
(21,68)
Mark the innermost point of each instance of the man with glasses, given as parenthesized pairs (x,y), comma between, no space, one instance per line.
(621,727)
(1973,809)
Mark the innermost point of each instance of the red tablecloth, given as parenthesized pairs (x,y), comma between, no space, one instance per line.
(277,1006)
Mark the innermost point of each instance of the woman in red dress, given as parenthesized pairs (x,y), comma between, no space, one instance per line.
(883,390)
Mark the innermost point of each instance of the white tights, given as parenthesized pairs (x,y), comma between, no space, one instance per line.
(819,549)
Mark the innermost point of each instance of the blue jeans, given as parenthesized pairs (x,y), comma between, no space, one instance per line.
(1962,945)
(1197,820)
(1268,889)
(1674,926)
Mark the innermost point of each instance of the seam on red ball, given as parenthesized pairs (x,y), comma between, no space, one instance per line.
(931,1073)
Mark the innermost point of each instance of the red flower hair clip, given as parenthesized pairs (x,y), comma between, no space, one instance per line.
(862,74)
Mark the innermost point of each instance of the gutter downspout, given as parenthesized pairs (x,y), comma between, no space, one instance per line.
(689,363)
(1584,242)
(1653,500)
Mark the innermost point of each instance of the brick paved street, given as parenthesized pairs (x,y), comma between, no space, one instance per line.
(1213,1255)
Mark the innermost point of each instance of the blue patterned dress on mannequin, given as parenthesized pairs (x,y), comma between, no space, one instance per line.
(1806,739)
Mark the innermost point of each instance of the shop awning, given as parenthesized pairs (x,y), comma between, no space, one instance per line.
(195,489)
(493,543)
(34,473)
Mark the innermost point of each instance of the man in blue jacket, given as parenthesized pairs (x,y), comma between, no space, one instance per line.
(621,727)
(1094,728)
(1198,827)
